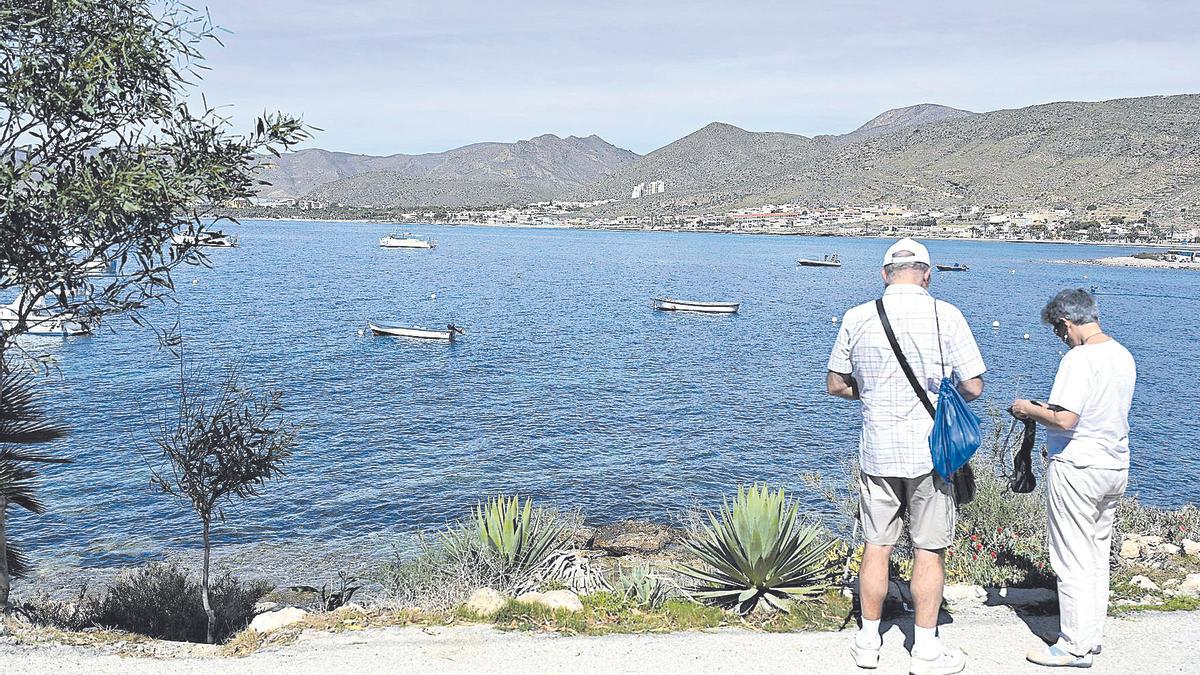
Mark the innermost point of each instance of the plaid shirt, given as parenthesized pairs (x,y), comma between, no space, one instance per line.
(895,433)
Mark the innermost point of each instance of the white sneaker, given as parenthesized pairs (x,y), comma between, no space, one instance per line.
(865,657)
(950,661)
(1057,657)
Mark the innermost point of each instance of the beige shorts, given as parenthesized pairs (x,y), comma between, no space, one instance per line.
(928,500)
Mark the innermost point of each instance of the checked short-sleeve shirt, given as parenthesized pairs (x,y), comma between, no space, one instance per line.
(895,432)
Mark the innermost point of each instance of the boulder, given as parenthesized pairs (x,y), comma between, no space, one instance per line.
(485,602)
(1169,549)
(1143,583)
(632,537)
(1131,548)
(1191,585)
(1191,548)
(565,600)
(964,595)
(269,621)
(265,606)
(1152,540)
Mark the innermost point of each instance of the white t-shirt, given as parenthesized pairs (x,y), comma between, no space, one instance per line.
(1095,382)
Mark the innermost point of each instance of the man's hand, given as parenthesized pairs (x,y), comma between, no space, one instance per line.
(1051,416)
(842,385)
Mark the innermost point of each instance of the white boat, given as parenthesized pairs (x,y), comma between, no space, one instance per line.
(672,305)
(213,238)
(406,240)
(827,261)
(419,332)
(41,321)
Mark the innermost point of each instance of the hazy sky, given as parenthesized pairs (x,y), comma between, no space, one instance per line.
(385,77)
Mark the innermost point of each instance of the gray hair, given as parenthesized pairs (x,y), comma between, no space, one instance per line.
(1073,304)
(893,268)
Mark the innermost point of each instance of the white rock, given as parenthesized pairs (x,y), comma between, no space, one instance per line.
(1131,548)
(348,608)
(1152,540)
(485,602)
(1143,583)
(1191,584)
(964,595)
(265,606)
(269,621)
(566,600)
(1169,549)
(1191,548)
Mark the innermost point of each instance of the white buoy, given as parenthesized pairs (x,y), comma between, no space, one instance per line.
(833,320)
(360,332)
(1012,271)
(1025,336)
(433,296)
(195,281)
(1085,276)
(995,324)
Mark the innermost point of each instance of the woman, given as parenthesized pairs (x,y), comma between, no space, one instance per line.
(1087,422)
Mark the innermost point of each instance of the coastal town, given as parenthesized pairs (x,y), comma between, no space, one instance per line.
(1099,224)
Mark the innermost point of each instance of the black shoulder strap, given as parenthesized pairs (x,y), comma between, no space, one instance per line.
(908,371)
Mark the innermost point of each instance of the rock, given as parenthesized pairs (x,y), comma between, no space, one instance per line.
(964,595)
(1169,549)
(1171,583)
(1143,583)
(348,608)
(632,536)
(1131,548)
(485,601)
(1152,540)
(581,537)
(1191,548)
(1191,584)
(269,621)
(265,606)
(565,600)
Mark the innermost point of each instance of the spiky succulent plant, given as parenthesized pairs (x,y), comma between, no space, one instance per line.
(759,549)
(513,534)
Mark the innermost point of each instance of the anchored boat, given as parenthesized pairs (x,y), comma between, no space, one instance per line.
(827,261)
(419,332)
(956,267)
(210,238)
(41,321)
(672,305)
(406,240)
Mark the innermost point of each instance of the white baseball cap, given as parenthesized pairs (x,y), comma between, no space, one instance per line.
(906,251)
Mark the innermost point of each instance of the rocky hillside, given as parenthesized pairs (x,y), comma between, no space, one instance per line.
(1143,152)
(495,172)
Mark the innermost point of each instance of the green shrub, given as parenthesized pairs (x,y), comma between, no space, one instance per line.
(759,550)
(162,601)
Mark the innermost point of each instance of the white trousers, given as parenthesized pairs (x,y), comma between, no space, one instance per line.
(1081,505)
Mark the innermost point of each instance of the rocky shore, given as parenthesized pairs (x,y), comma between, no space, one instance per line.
(1131,261)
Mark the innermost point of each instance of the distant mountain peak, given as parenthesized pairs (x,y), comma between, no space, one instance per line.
(908,116)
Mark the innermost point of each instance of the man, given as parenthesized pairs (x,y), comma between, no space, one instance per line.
(895,468)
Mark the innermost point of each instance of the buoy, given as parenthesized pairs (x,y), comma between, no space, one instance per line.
(833,320)
(1012,271)
(360,332)
(433,296)
(1025,336)
(1085,276)
(995,324)
(195,281)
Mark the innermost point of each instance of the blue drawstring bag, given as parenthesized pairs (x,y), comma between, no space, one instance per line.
(956,432)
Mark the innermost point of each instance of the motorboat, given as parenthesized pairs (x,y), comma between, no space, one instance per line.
(956,267)
(210,238)
(406,240)
(419,332)
(826,261)
(673,305)
(41,321)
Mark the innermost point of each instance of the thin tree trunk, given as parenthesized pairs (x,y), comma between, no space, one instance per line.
(4,578)
(208,610)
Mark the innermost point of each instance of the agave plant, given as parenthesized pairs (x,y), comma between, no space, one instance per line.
(21,424)
(512,533)
(642,587)
(759,550)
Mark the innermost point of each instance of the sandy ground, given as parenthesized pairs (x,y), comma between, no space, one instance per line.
(995,639)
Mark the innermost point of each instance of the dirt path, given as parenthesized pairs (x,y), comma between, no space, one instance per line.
(995,640)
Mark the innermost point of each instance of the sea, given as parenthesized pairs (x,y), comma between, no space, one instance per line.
(567,386)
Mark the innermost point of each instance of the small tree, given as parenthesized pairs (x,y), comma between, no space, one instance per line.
(21,423)
(221,449)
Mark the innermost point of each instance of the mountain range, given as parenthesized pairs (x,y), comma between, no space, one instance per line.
(1136,152)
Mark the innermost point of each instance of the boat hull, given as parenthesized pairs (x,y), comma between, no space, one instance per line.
(952,268)
(411,332)
(670,305)
(818,263)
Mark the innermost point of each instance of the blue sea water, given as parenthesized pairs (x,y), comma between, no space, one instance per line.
(567,387)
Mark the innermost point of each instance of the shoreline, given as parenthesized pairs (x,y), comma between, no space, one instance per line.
(1130,261)
(518,226)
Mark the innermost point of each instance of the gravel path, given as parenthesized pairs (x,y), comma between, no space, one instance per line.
(994,638)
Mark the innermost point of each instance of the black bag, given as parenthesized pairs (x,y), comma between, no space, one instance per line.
(1023,480)
(963,480)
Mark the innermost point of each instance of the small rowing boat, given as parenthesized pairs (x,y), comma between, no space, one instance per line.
(827,261)
(672,305)
(419,332)
(956,267)
(406,240)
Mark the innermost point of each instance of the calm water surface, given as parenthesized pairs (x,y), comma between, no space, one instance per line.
(567,387)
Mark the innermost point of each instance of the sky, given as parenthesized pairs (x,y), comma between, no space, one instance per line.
(409,77)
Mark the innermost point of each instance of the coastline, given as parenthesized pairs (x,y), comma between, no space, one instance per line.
(1130,261)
